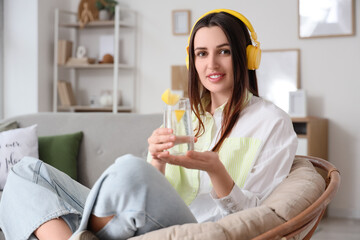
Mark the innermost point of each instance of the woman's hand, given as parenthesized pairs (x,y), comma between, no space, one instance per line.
(160,140)
(206,161)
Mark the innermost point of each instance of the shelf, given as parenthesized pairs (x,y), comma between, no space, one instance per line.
(96,24)
(79,108)
(67,22)
(96,66)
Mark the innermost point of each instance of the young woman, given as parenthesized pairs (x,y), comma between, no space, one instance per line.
(245,147)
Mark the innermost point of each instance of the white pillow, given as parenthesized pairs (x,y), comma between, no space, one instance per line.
(14,145)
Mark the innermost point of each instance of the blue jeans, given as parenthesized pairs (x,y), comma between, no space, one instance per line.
(138,195)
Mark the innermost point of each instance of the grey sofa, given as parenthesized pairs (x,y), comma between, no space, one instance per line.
(107,136)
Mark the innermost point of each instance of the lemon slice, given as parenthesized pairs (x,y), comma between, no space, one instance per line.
(179,114)
(170,98)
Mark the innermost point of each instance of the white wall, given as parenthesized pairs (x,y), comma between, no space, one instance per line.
(20,56)
(28,55)
(328,69)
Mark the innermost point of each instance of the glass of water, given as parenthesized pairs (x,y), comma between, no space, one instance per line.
(178,118)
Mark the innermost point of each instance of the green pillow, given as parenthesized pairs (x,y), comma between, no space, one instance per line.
(61,152)
(8,126)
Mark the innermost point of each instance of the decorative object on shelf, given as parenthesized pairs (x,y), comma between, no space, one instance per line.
(104,15)
(297,103)
(93,100)
(106,45)
(106,8)
(87,12)
(81,58)
(107,58)
(326,18)
(81,52)
(181,22)
(278,75)
(64,51)
(106,98)
(66,94)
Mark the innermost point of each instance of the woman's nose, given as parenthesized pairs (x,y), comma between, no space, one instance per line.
(213,61)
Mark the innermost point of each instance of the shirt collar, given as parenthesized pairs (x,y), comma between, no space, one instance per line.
(206,101)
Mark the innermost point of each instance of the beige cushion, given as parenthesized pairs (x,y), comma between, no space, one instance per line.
(249,223)
(300,189)
(209,230)
(241,225)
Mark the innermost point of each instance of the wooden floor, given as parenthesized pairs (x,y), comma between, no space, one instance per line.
(337,229)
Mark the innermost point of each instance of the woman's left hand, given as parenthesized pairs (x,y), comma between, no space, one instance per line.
(206,161)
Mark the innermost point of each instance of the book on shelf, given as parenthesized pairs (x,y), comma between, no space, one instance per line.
(64,51)
(66,94)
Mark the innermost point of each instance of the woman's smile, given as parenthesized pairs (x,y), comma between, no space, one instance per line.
(215,77)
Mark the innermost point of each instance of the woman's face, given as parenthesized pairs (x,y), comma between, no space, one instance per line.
(213,61)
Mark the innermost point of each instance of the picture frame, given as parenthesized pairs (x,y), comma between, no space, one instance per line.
(326,18)
(298,103)
(181,22)
(278,75)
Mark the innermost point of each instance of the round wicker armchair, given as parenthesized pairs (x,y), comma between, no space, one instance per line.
(308,220)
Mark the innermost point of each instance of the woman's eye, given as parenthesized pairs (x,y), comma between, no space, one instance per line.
(225,51)
(201,54)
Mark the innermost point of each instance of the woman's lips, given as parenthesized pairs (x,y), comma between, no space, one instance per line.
(215,77)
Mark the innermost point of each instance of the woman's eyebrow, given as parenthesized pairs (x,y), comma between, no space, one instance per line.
(200,48)
(218,46)
(222,45)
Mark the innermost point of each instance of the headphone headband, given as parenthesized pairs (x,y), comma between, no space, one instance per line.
(253,64)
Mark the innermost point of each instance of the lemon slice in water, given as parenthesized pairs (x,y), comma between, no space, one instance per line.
(179,114)
(170,98)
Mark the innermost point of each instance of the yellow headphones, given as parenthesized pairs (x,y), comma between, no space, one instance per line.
(253,53)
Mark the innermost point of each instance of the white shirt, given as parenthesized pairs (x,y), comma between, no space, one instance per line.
(262,120)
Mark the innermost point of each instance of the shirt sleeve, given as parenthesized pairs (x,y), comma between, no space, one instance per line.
(272,165)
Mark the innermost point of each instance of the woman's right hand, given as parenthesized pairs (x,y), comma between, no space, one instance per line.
(160,140)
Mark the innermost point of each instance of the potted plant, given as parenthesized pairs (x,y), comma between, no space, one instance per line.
(106,8)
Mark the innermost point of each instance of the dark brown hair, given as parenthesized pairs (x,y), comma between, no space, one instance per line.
(244,79)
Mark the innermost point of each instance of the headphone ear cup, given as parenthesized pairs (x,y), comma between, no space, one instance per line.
(253,54)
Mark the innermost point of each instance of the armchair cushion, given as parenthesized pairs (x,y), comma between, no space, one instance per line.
(300,189)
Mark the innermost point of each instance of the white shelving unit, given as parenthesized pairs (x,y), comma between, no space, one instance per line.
(117,25)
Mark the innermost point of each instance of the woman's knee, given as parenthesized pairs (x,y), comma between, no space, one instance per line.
(26,167)
(132,165)
(131,171)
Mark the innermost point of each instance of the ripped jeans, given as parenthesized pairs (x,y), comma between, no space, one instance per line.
(137,194)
